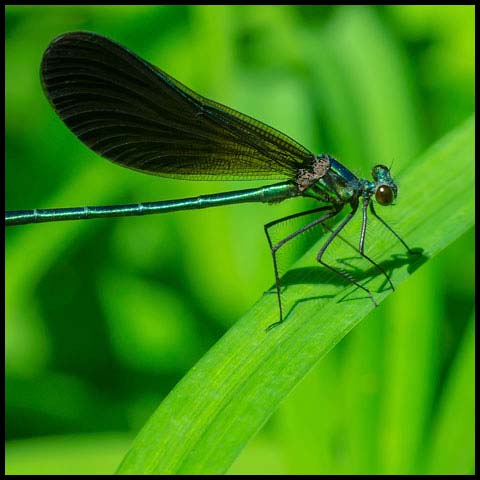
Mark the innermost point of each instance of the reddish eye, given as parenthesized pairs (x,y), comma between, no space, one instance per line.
(384,195)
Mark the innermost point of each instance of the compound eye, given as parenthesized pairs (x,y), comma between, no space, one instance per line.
(384,195)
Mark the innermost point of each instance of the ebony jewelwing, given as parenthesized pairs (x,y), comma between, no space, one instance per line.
(134,114)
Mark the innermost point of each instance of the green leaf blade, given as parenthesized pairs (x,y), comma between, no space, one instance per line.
(224,400)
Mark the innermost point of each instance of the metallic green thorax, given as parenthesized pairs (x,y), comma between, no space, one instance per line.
(336,184)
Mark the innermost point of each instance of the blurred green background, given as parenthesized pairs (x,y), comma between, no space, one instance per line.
(104,317)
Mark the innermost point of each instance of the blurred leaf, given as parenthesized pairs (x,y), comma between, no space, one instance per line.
(209,416)
(452,446)
(412,366)
(65,455)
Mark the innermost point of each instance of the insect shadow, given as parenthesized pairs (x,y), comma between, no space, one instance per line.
(321,275)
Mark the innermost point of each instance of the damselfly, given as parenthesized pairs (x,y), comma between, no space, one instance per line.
(134,114)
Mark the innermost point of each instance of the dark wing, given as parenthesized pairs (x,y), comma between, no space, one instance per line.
(132,113)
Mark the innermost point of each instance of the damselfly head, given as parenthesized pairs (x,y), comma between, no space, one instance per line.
(385,187)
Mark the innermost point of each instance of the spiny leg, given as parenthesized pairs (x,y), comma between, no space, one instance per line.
(356,249)
(361,246)
(267,227)
(329,241)
(409,250)
(274,248)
